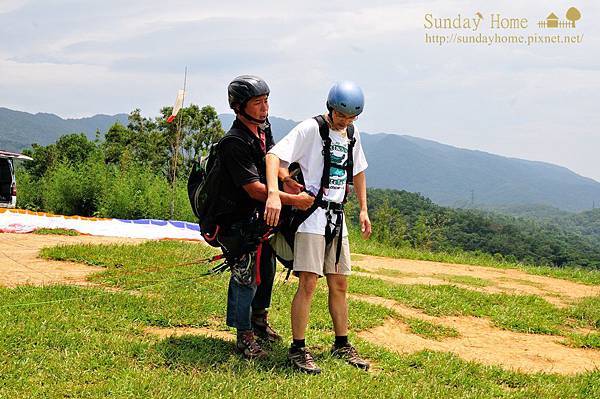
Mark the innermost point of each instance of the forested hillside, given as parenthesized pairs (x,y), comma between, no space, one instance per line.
(129,174)
(448,175)
(408,219)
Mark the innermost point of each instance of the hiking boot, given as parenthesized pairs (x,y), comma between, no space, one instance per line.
(246,345)
(302,360)
(350,355)
(262,329)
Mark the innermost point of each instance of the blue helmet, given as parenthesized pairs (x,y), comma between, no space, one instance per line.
(346,97)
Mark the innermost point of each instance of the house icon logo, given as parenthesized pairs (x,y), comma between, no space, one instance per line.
(552,20)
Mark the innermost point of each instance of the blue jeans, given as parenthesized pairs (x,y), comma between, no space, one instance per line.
(242,299)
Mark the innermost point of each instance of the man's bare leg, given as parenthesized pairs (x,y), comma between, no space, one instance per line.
(338,304)
(301,303)
(338,308)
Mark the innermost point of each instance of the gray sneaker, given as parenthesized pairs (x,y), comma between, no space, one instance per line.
(350,355)
(302,360)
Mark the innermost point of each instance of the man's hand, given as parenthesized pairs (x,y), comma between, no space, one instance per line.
(272,208)
(304,201)
(365,224)
(291,186)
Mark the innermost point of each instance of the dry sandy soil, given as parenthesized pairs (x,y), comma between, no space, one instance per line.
(19,262)
(478,339)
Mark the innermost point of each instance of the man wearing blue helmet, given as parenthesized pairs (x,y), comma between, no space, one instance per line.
(330,156)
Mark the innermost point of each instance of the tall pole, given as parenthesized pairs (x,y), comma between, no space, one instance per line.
(176,149)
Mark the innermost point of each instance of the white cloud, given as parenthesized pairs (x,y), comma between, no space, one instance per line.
(79,58)
(7,6)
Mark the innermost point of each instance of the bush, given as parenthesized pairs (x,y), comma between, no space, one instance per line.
(137,193)
(93,188)
(74,189)
(29,194)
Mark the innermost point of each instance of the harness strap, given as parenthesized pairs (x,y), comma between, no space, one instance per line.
(208,237)
(350,161)
(333,230)
(338,249)
(326,151)
(263,239)
(258,254)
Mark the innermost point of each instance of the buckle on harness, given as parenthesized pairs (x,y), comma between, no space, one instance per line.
(331,206)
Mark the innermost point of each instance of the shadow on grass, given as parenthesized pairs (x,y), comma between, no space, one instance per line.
(200,352)
(195,351)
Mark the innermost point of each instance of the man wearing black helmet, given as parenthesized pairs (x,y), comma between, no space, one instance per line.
(330,155)
(243,152)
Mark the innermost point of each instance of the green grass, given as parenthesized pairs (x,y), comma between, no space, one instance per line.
(590,340)
(95,346)
(586,312)
(157,268)
(372,247)
(62,232)
(430,330)
(521,313)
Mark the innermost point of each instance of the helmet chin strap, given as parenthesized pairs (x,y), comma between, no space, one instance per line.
(242,110)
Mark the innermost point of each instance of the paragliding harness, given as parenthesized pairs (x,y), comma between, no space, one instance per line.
(292,218)
(241,242)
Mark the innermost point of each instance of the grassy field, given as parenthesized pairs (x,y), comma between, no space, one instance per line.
(57,231)
(65,341)
(371,247)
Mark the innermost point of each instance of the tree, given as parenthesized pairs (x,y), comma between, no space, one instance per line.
(207,130)
(389,225)
(44,157)
(72,148)
(573,15)
(140,142)
(198,128)
(148,144)
(75,148)
(116,142)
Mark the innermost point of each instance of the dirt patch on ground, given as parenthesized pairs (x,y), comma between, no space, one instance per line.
(19,262)
(480,341)
(164,332)
(512,281)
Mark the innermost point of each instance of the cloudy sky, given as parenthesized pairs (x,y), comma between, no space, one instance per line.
(538,102)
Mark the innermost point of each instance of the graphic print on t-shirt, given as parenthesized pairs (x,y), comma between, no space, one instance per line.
(337,170)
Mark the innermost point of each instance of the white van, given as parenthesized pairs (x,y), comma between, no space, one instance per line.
(8,182)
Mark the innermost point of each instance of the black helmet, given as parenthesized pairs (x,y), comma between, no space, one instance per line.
(243,88)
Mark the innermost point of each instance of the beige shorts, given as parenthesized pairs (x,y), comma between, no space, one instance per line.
(310,255)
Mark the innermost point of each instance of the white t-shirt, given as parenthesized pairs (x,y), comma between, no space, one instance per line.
(303,144)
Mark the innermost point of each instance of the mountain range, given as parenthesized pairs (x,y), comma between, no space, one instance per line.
(459,177)
(19,129)
(448,175)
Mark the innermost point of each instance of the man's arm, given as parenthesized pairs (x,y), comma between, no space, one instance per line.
(289,184)
(273,205)
(360,187)
(258,191)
